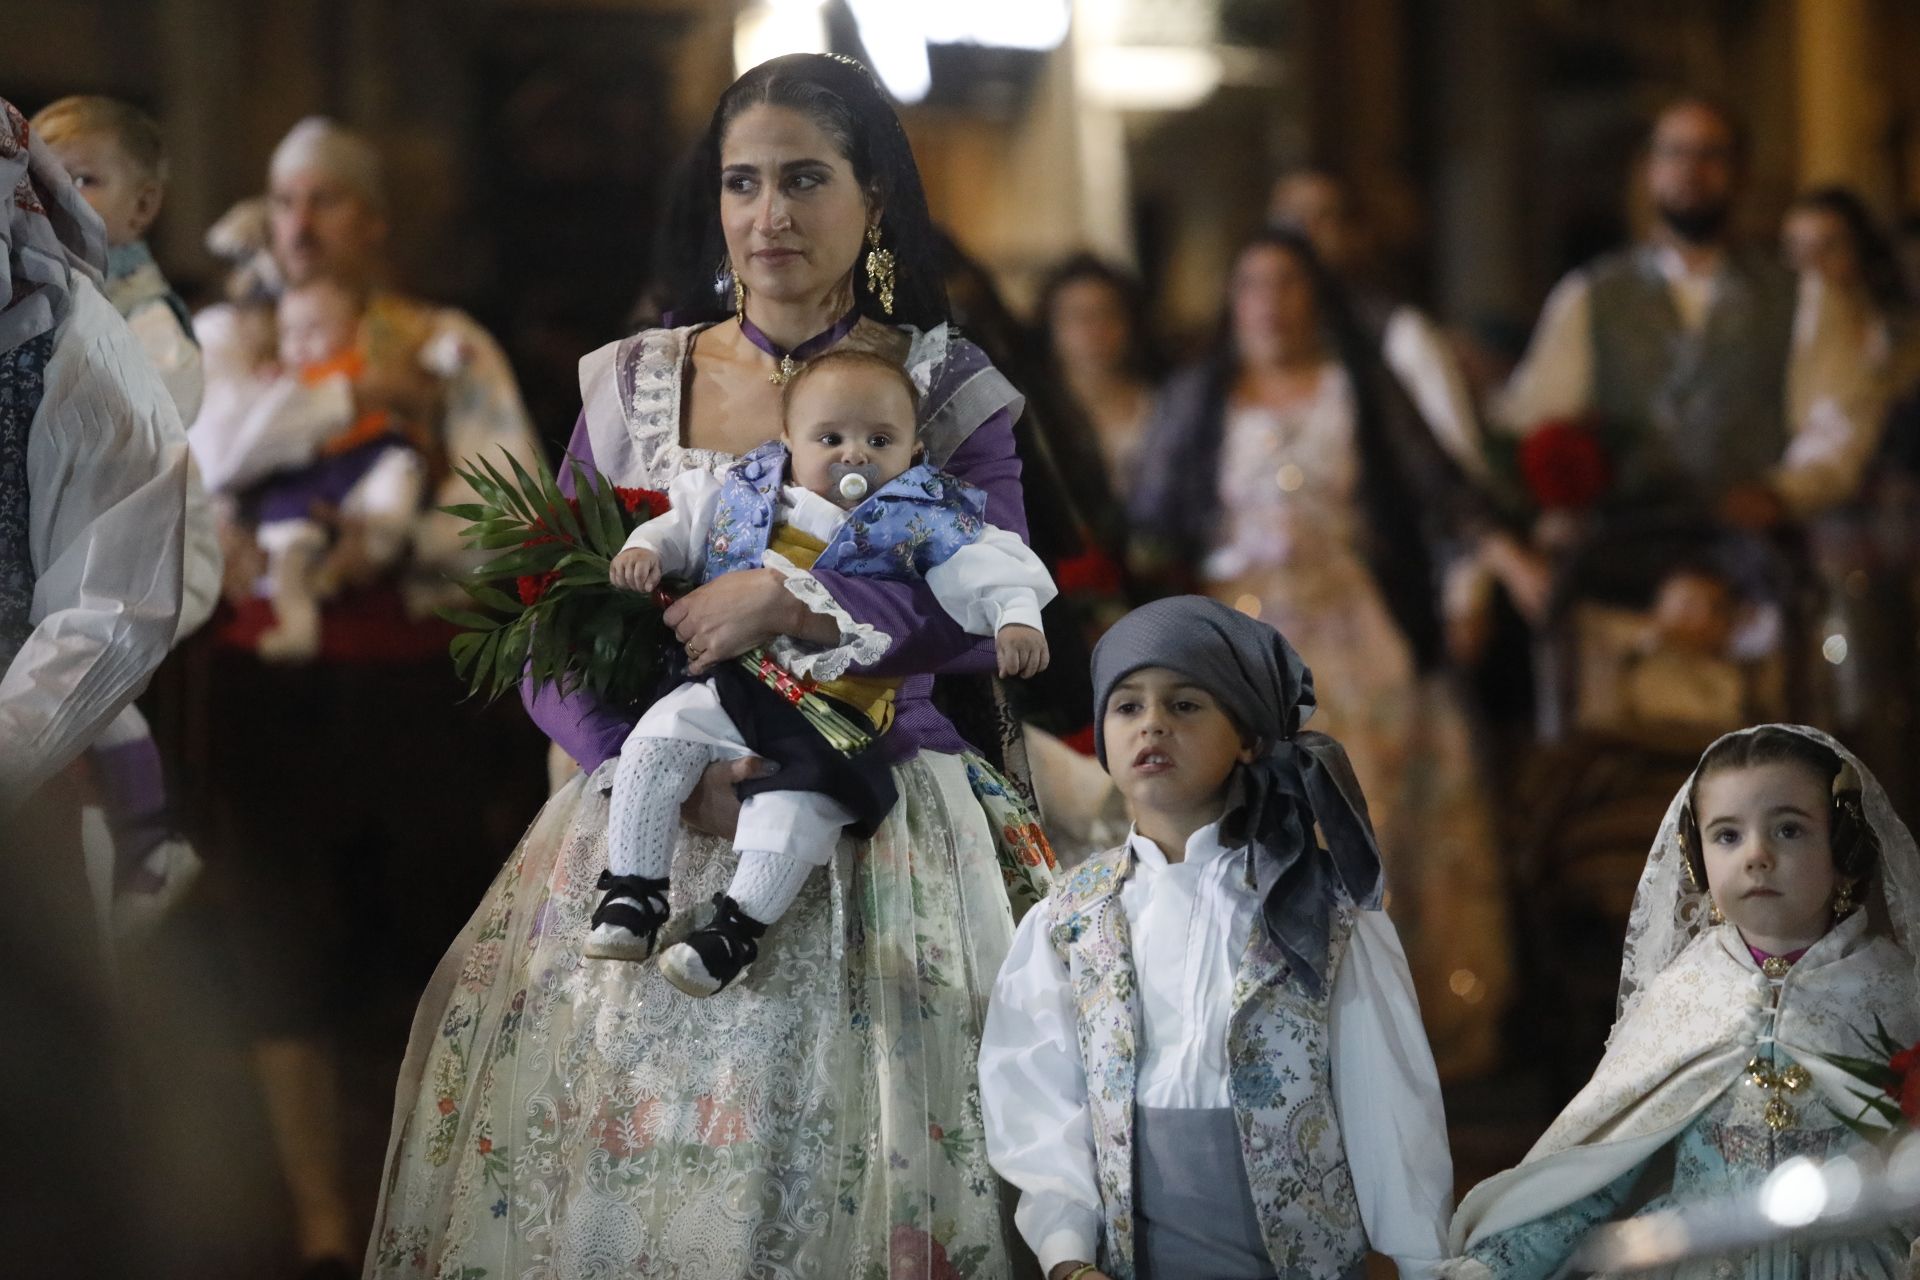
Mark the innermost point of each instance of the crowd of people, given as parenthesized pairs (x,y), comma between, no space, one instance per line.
(1096,920)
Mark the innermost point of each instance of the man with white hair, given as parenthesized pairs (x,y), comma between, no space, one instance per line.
(352,793)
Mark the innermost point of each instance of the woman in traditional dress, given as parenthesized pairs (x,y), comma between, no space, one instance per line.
(1295,478)
(564,1117)
(1092,322)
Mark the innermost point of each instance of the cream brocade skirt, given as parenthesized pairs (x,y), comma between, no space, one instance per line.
(565,1118)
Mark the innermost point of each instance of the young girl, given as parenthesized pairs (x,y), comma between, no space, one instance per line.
(843,490)
(1203,1055)
(1757,949)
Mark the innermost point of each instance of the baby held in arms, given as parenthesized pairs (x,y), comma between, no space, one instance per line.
(843,489)
(370,474)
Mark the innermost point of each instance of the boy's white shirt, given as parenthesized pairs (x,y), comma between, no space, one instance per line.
(1189,924)
(174,354)
(995,581)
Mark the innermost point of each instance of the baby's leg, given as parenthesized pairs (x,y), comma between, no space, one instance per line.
(653,778)
(658,768)
(783,836)
(294,549)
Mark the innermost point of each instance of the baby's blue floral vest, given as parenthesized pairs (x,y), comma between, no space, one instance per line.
(1279,1077)
(911,525)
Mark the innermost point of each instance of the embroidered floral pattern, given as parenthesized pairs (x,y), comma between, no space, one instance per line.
(1280,1077)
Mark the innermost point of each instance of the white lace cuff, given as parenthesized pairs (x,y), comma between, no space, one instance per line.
(860,644)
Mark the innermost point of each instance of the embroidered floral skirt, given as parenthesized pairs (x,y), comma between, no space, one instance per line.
(569,1118)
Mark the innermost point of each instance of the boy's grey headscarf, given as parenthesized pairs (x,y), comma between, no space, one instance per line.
(1301,781)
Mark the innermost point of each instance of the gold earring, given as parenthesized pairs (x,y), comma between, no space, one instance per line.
(1713,912)
(1843,901)
(879,269)
(739,300)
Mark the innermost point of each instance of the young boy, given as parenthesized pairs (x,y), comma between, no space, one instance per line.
(116,158)
(1203,1055)
(842,489)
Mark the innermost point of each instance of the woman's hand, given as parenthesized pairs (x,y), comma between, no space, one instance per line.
(714,806)
(739,611)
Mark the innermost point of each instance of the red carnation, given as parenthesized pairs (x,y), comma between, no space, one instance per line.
(1564,467)
(1091,573)
(635,501)
(1910,1098)
(533,588)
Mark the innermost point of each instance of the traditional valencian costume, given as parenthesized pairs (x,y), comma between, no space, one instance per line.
(1216,1066)
(1717,1071)
(922,525)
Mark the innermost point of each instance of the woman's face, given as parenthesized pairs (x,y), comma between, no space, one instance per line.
(793,213)
(1089,322)
(1815,241)
(1274,315)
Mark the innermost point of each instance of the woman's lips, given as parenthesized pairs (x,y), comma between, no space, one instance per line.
(776,257)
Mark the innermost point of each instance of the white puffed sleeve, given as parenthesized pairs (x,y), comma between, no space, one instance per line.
(1387,1095)
(107,483)
(1033,1093)
(994,581)
(678,535)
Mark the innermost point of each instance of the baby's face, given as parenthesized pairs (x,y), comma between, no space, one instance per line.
(849,420)
(317,322)
(1693,613)
(125,198)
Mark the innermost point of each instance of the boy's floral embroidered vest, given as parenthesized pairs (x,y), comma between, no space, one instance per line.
(1280,1079)
(914,523)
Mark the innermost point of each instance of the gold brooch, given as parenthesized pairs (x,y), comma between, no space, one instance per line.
(1776,966)
(1779,1113)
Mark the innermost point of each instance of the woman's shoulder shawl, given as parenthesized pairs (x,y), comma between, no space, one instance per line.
(630,395)
(959,389)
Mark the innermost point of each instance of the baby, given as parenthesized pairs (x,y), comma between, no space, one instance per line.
(842,489)
(370,473)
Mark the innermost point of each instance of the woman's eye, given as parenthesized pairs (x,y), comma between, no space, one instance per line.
(803,182)
(738,184)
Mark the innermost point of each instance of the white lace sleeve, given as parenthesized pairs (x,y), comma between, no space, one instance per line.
(860,644)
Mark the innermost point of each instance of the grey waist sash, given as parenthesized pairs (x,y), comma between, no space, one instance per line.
(1193,1211)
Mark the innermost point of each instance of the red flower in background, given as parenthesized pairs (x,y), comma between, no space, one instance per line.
(1091,573)
(1564,467)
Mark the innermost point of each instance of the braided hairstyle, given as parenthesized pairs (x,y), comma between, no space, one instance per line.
(843,99)
(1856,850)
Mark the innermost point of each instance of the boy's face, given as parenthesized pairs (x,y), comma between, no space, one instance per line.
(126,199)
(846,418)
(317,322)
(1170,747)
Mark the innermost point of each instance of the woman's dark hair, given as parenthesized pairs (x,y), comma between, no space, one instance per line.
(1405,480)
(1879,266)
(1142,358)
(1856,851)
(845,101)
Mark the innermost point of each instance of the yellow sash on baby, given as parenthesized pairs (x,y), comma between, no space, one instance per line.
(870,696)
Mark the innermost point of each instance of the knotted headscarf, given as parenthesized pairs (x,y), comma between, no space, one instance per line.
(48,230)
(1300,783)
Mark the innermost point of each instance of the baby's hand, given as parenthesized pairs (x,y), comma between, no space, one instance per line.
(1022,650)
(635,569)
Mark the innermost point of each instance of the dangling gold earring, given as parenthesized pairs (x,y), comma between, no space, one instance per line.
(879,268)
(1713,912)
(1843,901)
(739,300)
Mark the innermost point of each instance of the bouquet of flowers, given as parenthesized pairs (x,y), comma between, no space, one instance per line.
(553,615)
(1892,1076)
